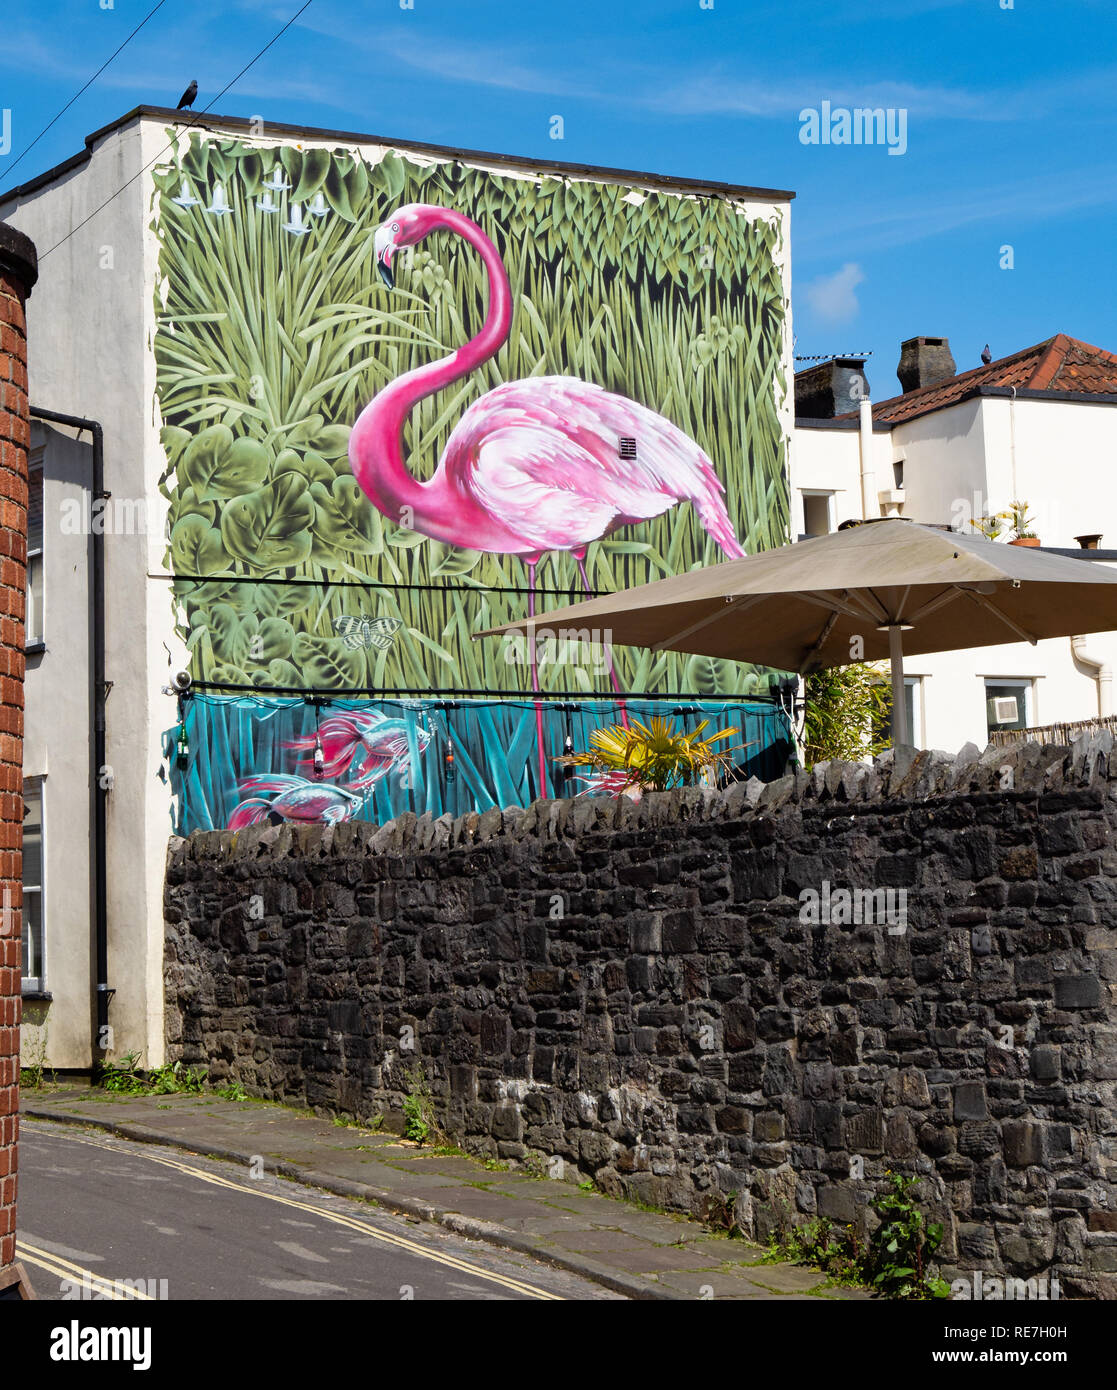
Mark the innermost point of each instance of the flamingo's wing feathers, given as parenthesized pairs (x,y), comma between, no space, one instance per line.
(544,454)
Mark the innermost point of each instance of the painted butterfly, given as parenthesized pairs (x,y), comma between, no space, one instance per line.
(367,632)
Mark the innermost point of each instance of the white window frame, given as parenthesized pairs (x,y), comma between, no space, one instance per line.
(829,494)
(1027,684)
(37,984)
(32,638)
(917,730)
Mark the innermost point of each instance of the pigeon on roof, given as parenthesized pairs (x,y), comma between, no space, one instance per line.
(986,355)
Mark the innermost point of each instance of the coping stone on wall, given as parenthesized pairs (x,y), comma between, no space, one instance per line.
(906,775)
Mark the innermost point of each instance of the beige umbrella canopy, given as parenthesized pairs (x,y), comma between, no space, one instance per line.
(893,584)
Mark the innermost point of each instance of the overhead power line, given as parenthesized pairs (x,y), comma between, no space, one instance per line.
(86,88)
(128,183)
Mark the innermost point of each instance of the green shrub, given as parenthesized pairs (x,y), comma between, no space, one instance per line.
(847,707)
(896,1262)
(418,1107)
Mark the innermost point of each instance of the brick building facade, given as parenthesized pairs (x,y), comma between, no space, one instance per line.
(18,272)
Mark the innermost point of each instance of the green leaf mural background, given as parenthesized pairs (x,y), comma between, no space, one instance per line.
(269,343)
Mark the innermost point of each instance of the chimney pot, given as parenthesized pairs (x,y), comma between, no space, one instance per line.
(923,361)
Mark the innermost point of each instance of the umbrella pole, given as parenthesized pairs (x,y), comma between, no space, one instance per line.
(901,734)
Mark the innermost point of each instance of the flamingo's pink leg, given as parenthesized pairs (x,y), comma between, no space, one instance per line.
(531,564)
(580,558)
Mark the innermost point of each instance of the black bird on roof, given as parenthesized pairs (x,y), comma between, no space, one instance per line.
(986,355)
(187,98)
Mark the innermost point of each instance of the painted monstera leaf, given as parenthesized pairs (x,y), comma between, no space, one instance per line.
(279,673)
(196,547)
(276,601)
(232,634)
(331,441)
(313,434)
(270,528)
(310,466)
(275,640)
(185,504)
(217,465)
(345,520)
(327,664)
(451,561)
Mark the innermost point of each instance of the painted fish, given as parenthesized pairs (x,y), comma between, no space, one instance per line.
(366,744)
(293,798)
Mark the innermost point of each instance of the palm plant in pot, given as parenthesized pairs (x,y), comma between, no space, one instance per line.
(992,525)
(629,760)
(1021,526)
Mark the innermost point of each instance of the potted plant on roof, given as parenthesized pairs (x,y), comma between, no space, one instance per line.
(992,525)
(1021,526)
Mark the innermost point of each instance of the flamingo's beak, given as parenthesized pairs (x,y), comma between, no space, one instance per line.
(384,248)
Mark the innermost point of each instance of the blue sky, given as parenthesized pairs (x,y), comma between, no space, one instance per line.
(1010,125)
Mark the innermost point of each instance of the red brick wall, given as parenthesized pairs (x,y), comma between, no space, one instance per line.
(17,275)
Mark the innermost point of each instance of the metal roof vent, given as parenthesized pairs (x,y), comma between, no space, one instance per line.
(628,447)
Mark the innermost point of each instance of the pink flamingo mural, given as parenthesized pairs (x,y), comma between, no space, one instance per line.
(371,740)
(534,465)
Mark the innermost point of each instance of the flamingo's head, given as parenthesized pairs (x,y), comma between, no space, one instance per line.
(407,226)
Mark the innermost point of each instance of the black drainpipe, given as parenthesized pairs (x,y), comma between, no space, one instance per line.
(98,794)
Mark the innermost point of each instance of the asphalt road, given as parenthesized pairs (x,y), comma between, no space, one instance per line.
(94,1210)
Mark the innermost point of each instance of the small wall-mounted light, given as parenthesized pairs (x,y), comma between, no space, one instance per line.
(449,761)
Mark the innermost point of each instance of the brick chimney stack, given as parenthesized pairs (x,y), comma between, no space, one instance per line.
(831,388)
(18,272)
(923,361)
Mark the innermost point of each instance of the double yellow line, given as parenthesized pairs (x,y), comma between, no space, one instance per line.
(338,1218)
(69,1272)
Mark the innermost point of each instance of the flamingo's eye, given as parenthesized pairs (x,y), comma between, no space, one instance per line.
(395,226)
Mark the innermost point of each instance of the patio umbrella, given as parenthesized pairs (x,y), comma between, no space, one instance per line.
(895,585)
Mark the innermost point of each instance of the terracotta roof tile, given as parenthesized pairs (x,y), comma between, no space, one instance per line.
(1057,364)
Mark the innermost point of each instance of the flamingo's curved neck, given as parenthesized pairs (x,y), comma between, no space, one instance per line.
(376,446)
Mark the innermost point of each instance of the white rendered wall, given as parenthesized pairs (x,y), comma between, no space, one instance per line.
(56,749)
(90,355)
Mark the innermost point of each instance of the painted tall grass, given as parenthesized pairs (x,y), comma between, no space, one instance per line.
(269,344)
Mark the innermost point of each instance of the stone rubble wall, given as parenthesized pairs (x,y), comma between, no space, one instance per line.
(633,989)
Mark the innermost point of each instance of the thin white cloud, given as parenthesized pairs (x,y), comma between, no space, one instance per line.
(713,94)
(712,90)
(1009,208)
(834,297)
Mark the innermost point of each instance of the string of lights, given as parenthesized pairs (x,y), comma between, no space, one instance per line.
(368,584)
(475,698)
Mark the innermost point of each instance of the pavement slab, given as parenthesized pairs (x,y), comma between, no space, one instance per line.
(641,1254)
